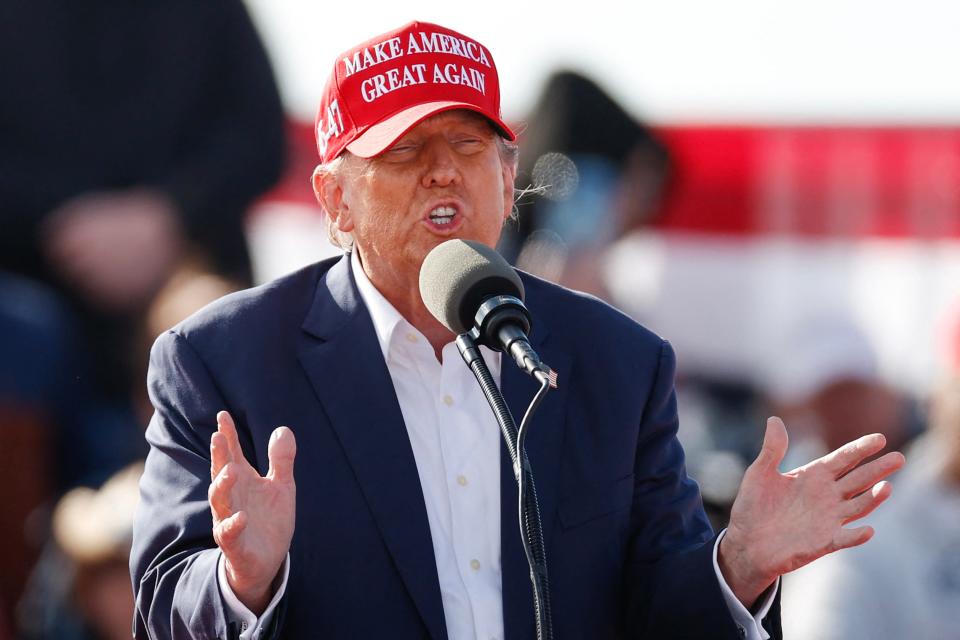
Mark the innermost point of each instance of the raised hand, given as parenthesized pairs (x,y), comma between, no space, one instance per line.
(253,516)
(782,521)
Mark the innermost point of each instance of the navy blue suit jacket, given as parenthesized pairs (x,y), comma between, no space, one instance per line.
(628,545)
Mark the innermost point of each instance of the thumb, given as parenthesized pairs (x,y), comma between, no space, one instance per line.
(775,443)
(281,451)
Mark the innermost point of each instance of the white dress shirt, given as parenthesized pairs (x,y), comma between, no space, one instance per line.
(456,444)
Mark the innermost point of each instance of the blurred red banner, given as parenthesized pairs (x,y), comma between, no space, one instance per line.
(843,182)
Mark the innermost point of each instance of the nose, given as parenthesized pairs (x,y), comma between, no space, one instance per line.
(441,168)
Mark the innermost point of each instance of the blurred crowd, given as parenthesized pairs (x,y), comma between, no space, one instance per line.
(136,137)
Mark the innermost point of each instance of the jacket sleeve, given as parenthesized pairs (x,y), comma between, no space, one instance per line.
(672,588)
(173,561)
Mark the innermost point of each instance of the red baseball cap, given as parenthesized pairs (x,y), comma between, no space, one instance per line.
(382,88)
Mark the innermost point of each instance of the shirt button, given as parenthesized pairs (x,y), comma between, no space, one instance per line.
(462,480)
(411,337)
(475,564)
(448,400)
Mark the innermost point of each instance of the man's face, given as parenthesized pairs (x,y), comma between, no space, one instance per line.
(444,179)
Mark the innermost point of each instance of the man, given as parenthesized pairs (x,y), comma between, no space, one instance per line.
(404,523)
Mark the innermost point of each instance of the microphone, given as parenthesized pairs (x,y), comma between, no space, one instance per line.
(471,289)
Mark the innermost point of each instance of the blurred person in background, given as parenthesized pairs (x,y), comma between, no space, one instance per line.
(90,598)
(51,435)
(600,173)
(134,136)
(906,583)
(826,385)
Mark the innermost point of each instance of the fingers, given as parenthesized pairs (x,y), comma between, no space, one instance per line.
(866,502)
(226,426)
(775,443)
(281,452)
(224,445)
(226,532)
(853,453)
(220,493)
(869,474)
(847,538)
(219,454)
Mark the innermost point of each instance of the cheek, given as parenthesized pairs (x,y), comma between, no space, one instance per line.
(367,206)
(387,198)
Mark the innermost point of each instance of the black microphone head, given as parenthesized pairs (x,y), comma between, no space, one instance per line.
(458,275)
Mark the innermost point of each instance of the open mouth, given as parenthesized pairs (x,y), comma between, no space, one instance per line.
(443,217)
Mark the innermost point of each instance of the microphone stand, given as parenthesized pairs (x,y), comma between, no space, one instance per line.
(531,529)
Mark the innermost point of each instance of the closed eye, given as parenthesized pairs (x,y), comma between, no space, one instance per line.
(401,151)
(469,145)
(402,148)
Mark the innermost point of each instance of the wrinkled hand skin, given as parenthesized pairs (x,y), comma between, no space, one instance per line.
(782,521)
(253,515)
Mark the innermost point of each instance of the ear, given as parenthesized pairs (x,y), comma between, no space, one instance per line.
(329,192)
(509,172)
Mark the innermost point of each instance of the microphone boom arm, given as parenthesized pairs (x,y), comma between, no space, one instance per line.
(531,529)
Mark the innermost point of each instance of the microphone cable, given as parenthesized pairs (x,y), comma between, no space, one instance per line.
(530,523)
(531,529)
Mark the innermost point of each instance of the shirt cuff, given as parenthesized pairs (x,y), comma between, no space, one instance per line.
(250,626)
(748,624)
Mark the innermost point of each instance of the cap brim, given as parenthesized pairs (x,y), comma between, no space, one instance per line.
(378,138)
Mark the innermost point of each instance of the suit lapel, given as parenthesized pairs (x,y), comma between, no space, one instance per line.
(544,445)
(351,380)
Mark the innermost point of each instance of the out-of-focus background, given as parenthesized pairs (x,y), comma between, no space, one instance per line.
(774,188)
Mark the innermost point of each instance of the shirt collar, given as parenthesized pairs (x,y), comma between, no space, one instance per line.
(385,317)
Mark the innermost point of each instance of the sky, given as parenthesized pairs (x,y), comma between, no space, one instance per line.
(671,62)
